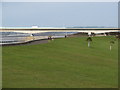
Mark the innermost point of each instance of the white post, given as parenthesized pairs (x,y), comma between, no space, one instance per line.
(88,43)
(110,47)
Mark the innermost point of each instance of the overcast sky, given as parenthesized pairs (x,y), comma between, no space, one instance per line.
(59,14)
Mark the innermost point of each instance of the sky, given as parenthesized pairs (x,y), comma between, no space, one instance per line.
(60,0)
(59,14)
(118,15)
(0,14)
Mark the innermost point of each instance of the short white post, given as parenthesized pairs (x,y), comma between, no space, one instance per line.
(88,43)
(110,47)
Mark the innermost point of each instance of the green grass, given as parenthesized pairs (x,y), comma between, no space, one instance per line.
(62,63)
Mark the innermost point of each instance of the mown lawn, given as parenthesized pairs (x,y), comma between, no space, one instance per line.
(62,63)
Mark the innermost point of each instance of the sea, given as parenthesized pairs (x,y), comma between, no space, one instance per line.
(17,37)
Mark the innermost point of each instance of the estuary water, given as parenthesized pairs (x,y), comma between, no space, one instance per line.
(16,37)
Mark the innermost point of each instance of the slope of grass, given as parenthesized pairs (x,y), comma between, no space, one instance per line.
(62,63)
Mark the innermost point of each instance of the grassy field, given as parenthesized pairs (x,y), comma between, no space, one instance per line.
(62,63)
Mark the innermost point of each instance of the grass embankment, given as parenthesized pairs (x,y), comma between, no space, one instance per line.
(62,63)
